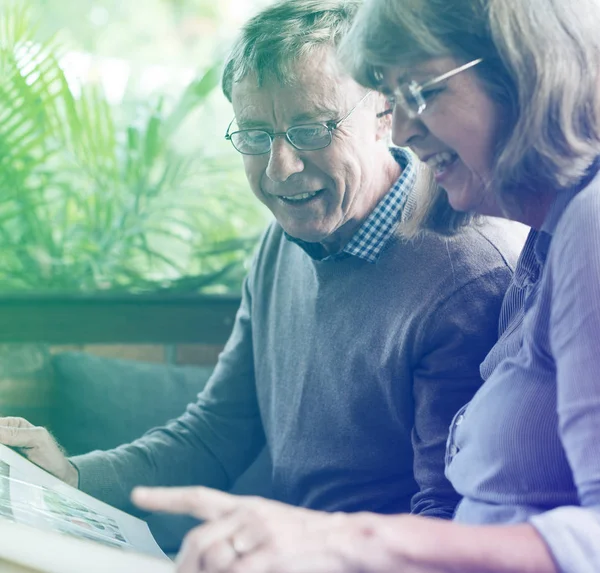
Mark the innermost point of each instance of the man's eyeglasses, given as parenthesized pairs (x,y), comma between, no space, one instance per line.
(412,96)
(307,137)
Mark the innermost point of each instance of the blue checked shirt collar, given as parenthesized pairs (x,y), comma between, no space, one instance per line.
(373,235)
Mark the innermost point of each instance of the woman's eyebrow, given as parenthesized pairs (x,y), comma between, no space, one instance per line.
(420,74)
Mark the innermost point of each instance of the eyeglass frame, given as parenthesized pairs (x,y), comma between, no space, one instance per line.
(416,90)
(331,126)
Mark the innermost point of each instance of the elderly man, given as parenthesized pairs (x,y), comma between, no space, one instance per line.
(354,344)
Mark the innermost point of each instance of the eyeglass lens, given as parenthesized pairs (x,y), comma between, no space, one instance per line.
(309,136)
(251,141)
(410,97)
(304,137)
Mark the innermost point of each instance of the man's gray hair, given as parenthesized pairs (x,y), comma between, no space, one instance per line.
(275,39)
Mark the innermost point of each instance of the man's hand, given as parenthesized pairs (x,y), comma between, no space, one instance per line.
(39,447)
(255,535)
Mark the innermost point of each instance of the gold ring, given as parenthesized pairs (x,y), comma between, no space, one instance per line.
(238,547)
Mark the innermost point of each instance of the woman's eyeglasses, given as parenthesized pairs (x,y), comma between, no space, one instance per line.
(412,96)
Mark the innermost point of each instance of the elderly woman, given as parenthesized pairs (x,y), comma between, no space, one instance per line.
(502,99)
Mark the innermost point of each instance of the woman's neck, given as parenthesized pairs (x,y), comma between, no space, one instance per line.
(535,209)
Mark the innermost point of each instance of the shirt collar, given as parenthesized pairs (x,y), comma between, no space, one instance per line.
(558,207)
(374,233)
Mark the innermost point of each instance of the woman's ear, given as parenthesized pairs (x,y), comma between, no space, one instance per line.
(384,116)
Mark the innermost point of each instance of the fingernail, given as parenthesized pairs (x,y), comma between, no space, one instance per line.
(139,492)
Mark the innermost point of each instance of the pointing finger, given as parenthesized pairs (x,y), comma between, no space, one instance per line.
(201,502)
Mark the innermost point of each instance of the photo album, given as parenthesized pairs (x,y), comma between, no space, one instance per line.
(51,527)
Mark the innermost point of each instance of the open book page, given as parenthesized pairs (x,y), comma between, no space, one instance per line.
(8,567)
(31,496)
(26,549)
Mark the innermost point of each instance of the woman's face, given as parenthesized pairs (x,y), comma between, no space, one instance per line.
(456,134)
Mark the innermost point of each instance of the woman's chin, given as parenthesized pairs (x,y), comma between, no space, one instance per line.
(459,200)
(469,200)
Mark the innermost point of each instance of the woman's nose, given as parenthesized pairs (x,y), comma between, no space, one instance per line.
(406,129)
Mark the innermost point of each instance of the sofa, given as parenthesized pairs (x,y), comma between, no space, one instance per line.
(99,403)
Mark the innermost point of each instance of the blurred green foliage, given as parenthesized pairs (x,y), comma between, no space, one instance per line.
(92,198)
(173,32)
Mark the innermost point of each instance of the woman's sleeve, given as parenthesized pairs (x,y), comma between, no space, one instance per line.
(572,533)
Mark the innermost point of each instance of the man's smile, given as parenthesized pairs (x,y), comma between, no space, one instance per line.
(299,198)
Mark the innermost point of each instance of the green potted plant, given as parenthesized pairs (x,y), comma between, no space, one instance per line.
(108,231)
(90,203)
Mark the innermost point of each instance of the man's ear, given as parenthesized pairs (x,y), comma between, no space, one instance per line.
(384,120)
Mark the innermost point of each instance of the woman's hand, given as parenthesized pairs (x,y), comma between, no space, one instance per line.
(255,535)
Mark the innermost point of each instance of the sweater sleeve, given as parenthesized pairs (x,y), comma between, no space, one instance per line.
(572,533)
(456,337)
(210,444)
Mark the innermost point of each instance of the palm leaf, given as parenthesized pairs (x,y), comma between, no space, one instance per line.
(87,202)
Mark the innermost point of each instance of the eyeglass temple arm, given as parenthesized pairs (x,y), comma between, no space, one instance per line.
(336,123)
(452,73)
(227,136)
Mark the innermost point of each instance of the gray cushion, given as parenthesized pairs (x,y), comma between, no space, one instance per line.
(102,403)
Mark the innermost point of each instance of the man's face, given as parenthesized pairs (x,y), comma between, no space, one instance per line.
(323,195)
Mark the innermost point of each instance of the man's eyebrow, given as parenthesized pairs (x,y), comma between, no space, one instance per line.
(250,124)
(316,113)
(307,116)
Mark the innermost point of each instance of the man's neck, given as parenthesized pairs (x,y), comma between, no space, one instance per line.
(337,241)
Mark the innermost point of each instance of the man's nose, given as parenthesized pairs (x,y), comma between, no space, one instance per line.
(406,130)
(284,160)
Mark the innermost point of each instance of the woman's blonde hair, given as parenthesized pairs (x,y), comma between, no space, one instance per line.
(541,62)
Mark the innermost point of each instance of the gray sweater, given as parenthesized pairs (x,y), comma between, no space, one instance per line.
(351,371)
